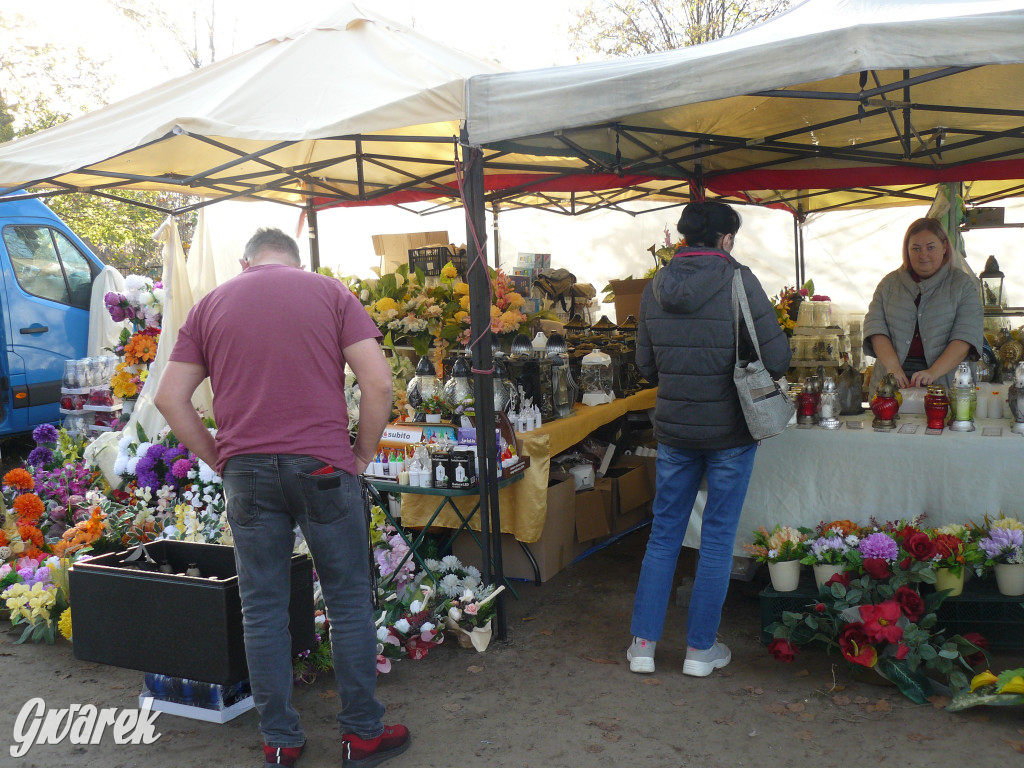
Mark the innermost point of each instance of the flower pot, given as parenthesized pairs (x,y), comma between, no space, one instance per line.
(785,575)
(128,405)
(945,578)
(1010,578)
(825,571)
(478,638)
(433,418)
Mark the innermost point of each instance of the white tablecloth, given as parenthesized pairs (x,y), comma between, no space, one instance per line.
(809,475)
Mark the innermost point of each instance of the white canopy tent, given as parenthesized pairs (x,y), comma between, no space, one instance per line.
(836,103)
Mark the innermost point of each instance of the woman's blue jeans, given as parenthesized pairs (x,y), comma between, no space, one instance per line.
(679,474)
(267,496)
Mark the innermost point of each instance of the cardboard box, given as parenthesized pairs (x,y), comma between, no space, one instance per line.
(534,260)
(631,484)
(627,297)
(172,624)
(553,551)
(593,511)
(394,249)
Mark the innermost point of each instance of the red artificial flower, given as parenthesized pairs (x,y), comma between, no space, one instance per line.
(976,659)
(819,607)
(782,650)
(855,645)
(919,546)
(911,603)
(880,621)
(901,652)
(877,568)
(839,578)
(948,545)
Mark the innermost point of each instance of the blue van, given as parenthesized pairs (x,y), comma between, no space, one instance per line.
(46,276)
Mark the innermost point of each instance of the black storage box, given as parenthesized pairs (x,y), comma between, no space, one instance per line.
(172,624)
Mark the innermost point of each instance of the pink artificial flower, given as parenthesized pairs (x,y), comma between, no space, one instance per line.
(383,664)
(472,609)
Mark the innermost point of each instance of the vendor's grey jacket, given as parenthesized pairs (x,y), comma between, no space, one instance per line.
(950,308)
(686,344)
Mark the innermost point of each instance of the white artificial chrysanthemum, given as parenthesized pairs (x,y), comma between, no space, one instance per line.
(470,582)
(124,444)
(402,625)
(206,473)
(133,462)
(473,572)
(449,585)
(433,565)
(143,448)
(450,563)
(120,464)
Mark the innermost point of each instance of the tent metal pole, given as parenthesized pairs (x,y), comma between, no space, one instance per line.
(803,269)
(479,278)
(495,211)
(796,249)
(314,245)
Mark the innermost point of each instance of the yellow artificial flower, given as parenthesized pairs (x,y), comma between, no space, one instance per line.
(461,289)
(464,302)
(449,272)
(399,280)
(1008,523)
(64,625)
(1015,685)
(983,678)
(460,316)
(495,312)
(515,300)
(385,304)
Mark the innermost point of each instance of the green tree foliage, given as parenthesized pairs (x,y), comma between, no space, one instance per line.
(620,28)
(42,86)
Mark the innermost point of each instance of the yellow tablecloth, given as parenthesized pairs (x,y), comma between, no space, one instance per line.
(524,504)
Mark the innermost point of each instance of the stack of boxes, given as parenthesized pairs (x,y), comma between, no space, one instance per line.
(527,269)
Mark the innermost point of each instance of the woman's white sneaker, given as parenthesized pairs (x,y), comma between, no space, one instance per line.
(703,663)
(640,655)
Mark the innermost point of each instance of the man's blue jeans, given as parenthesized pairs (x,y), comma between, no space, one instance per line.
(267,495)
(679,475)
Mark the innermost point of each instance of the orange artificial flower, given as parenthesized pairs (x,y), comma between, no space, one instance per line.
(31,535)
(846,527)
(20,478)
(29,507)
(141,349)
(82,535)
(4,541)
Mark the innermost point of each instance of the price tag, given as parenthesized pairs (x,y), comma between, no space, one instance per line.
(855,425)
(934,431)
(991,431)
(908,429)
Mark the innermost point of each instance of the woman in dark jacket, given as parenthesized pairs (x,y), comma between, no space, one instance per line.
(686,344)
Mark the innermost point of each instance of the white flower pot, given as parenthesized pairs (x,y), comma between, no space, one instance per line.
(128,405)
(824,571)
(433,418)
(1010,578)
(785,575)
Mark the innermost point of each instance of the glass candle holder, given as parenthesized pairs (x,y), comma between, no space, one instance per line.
(936,406)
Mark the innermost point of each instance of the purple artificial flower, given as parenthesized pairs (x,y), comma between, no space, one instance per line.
(27,573)
(145,470)
(825,543)
(879,545)
(113,302)
(45,433)
(181,468)
(1001,541)
(40,456)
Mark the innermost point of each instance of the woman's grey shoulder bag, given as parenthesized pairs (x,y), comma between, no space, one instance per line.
(766,405)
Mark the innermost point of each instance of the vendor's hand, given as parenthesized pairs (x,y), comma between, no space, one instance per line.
(922,378)
(901,378)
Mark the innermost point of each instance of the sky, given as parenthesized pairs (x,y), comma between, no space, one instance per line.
(847,253)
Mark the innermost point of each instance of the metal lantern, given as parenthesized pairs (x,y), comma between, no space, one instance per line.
(597,379)
(604,326)
(991,284)
(828,405)
(563,389)
(807,401)
(1016,399)
(504,392)
(963,400)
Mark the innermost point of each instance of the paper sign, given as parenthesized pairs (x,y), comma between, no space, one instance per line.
(908,429)
(991,431)
(855,425)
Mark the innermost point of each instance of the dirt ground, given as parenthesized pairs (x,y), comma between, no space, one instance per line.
(559,693)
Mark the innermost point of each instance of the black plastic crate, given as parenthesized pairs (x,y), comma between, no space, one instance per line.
(172,624)
(433,258)
(980,608)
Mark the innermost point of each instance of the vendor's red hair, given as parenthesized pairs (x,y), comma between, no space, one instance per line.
(927,225)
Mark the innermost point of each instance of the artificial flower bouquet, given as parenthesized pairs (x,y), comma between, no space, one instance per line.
(35,592)
(782,544)
(956,549)
(1004,689)
(474,608)
(830,544)
(1003,542)
(787,304)
(876,617)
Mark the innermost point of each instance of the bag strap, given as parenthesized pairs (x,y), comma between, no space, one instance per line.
(739,302)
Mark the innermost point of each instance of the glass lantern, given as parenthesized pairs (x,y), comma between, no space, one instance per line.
(504,394)
(596,379)
(1015,399)
(828,405)
(458,390)
(991,284)
(563,389)
(423,385)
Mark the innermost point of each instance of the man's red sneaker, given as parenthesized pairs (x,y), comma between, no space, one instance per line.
(365,753)
(286,756)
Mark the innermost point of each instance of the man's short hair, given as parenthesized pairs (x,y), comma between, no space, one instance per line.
(271,239)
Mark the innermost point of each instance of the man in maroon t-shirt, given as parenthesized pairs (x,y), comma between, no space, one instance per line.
(274,342)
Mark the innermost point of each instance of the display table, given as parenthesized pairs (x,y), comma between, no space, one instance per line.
(524,506)
(806,476)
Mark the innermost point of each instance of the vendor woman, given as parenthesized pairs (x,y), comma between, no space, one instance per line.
(926,317)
